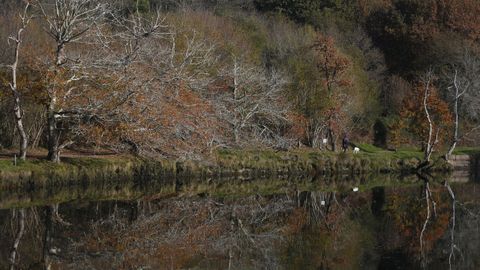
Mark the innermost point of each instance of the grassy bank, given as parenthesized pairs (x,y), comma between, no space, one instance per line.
(369,160)
(227,164)
(72,171)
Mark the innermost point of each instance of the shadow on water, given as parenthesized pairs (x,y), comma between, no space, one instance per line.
(427,222)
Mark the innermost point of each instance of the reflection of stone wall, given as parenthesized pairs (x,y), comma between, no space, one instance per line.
(460,162)
(462,167)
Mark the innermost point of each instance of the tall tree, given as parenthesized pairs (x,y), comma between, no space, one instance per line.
(68,21)
(333,73)
(425,117)
(463,91)
(17,40)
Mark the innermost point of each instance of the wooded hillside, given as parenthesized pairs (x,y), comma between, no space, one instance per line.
(184,78)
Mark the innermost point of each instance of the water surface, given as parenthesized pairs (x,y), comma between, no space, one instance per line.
(389,223)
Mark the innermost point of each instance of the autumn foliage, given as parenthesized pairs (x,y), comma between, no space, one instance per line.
(188,80)
(413,123)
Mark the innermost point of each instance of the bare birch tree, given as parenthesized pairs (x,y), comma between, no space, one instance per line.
(17,40)
(464,90)
(432,138)
(460,87)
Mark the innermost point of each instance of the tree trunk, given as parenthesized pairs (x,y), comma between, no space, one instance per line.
(332,140)
(60,56)
(53,149)
(17,109)
(455,110)
(430,143)
(236,133)
(21,130)
(236,127)
(53,134)
(455,132)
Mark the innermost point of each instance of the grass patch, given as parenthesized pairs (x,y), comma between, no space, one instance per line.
(364,147)
(369,159)
(473,151)
(400,153)
(67,163)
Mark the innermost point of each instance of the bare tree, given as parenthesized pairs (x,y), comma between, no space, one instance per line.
(317,135)
(465,96)
(432,138)
(68,21)
(158,62)
(100,72)
(460,87)
(254,103)
(17,39)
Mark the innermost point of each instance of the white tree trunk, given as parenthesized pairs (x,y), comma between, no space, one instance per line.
(455,111)
(17,108)
(430,141)
(460,90)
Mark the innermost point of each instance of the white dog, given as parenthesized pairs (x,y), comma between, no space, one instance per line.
(356,150)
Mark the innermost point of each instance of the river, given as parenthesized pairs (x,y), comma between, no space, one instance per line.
(374,222)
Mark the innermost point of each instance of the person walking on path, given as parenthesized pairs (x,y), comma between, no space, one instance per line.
(345,143)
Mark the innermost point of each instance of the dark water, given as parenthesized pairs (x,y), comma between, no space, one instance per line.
(389,223)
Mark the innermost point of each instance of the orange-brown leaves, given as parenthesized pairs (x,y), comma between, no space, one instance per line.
(462,16)
(332,65)
(409,212)
(298,128)
(296,221)
(413,120)
(176,122)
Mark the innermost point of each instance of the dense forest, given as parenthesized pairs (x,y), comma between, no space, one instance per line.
(163,78)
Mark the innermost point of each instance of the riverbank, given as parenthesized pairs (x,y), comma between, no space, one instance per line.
(36,173)
(242,164)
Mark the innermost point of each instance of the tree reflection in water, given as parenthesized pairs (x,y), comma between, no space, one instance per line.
(383,228)
(20,216)
(47,236)
(431,207)
(453,246)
